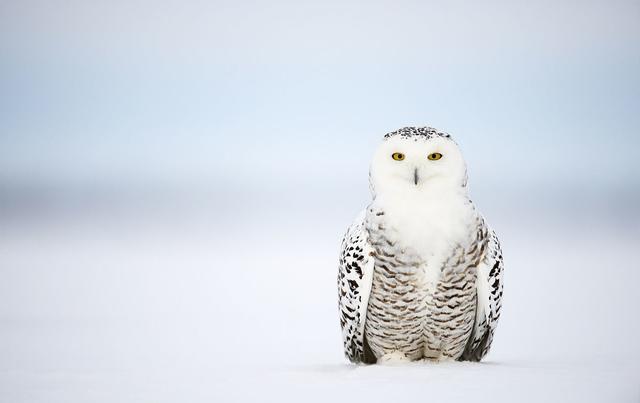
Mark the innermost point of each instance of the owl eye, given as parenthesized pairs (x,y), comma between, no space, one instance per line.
(434,156)
(397,156)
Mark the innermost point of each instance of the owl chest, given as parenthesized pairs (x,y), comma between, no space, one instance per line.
(422,303)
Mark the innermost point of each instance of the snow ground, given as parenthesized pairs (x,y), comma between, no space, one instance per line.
(190,307)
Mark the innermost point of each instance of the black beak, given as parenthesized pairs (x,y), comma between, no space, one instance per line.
(415,176)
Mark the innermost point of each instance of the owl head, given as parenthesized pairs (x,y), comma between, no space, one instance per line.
(418,160)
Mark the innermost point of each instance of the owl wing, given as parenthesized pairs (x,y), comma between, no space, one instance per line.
(489,301)
(355,275)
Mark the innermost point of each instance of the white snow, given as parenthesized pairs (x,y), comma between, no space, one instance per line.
(192,305)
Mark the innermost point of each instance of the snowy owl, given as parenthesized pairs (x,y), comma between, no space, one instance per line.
(420,271)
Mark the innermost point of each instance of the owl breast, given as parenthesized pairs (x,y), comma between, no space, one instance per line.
(422,302)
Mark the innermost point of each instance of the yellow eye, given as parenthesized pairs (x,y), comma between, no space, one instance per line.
(434,156)
(397,156)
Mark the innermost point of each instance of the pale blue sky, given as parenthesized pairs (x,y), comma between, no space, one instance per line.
(201,92)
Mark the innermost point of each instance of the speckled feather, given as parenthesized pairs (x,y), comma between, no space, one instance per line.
(355,270)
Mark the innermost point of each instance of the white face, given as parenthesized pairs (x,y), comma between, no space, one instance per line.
(417,164)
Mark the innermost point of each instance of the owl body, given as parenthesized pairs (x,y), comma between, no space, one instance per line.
(416,284)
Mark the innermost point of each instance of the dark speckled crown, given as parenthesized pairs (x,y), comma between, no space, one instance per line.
(425,132)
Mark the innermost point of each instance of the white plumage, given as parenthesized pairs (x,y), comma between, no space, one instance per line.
(420,273)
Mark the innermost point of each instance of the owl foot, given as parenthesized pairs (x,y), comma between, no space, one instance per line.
(394,358)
